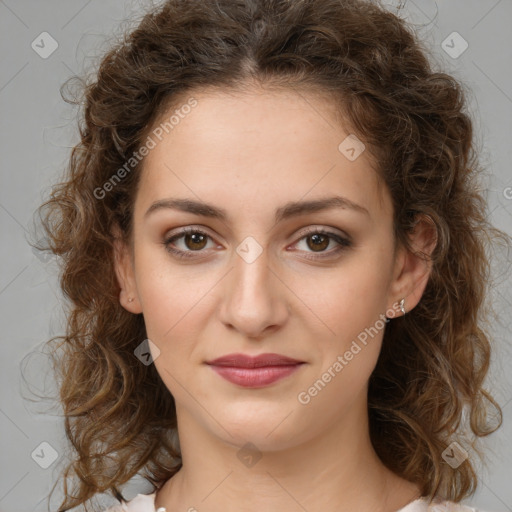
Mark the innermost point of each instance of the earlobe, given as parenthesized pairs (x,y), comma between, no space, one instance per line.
(415,267)
(125,274)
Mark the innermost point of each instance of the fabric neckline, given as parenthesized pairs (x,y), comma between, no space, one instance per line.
(417,505)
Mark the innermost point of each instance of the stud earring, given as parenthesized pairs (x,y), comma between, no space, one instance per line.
(130,299)
(402,307)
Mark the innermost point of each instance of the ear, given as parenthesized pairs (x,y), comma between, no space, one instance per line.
(412,271)
(125,273)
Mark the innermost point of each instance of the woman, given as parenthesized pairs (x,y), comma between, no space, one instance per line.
(274,249)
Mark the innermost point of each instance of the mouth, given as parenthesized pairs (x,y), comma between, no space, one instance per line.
(254,372)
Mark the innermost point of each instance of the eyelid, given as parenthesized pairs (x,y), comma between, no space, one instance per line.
(301,233)
(341,238)
(187,229)
(331,231)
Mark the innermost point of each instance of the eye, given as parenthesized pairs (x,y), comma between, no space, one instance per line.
(317,240)
(193,238)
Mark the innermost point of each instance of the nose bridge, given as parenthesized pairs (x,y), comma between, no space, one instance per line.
(252,301)
(251,273)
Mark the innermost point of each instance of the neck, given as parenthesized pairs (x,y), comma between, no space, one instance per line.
(335,470)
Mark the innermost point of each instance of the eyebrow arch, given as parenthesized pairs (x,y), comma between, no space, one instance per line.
(291,209)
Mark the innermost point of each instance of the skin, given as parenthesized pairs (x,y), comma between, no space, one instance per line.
(250,153)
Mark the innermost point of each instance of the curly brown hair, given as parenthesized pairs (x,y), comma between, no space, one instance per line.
(429,377)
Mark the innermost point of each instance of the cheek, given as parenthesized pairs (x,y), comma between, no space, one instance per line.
(345,300)
(172,308)
(350,308)
(167,297)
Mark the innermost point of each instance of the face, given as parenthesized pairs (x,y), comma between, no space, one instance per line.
(253,273)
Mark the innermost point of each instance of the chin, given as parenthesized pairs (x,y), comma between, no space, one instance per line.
(267,432)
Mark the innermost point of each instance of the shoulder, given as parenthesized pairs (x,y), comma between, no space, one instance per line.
(451,506)
(141,503)
(146,503)
(438,505)
(116,508)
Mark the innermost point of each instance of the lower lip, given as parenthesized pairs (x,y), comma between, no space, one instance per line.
(255,377)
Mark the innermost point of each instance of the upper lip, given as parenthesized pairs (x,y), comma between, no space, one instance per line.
(245,361)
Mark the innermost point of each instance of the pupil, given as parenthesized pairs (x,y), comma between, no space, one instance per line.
(317,241)
(194,240)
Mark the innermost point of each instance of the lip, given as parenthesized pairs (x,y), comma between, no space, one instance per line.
(261,360)
(254,372)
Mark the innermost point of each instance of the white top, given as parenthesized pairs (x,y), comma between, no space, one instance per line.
(146,503)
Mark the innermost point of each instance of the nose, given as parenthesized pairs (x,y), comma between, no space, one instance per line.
(254,298)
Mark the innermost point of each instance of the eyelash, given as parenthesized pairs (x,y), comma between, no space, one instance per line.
(344,243)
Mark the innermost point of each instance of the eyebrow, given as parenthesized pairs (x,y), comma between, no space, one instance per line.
(291,209)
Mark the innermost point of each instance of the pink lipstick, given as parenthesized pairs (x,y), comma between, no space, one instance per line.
(254,372)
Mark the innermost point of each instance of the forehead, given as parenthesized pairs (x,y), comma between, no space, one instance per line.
(262,143)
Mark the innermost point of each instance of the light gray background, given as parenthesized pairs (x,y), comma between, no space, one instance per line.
(37,130)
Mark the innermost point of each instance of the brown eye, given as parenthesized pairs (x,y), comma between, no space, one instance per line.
(195,241)
(192,240)
(318,241)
